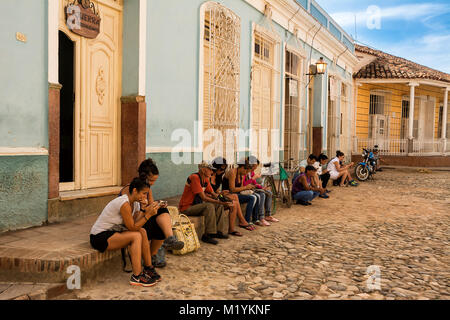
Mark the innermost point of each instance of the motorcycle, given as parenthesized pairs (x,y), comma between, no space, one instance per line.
(366,169)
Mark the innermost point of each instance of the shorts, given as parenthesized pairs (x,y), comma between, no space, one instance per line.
(100,241)
(334,175)
(151,226)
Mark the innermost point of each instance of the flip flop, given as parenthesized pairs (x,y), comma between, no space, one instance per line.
(247,227)
(235,233)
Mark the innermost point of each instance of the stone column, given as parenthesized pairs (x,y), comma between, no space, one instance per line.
(133,136)
(54,91)
(444,120)
(412,85)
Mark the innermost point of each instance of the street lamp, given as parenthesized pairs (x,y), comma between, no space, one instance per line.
(319,68)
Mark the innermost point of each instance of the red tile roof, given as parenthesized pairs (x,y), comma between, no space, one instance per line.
(386,66)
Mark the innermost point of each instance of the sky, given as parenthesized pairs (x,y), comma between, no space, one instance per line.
(415,30)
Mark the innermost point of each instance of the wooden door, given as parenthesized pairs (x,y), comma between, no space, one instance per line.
(100,92)
(262,109)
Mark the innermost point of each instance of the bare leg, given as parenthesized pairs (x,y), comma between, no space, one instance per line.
(132,238)
(236,203)
(344,177)
(232,217)
(155,245)
(165,223)
(145,249)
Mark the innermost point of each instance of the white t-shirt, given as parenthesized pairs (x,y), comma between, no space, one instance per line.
(332,166)
(111,216)
(318,167)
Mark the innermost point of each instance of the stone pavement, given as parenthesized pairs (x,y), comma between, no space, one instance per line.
(398,223)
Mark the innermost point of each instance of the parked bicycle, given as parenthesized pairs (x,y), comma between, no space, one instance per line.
(281,189)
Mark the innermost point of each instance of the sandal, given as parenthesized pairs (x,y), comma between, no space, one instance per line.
(262,223)
(235,233)
(247,227)
(272,219)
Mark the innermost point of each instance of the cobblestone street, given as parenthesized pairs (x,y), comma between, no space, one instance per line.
(399,222)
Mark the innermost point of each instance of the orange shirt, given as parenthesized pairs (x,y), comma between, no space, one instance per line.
(192,189)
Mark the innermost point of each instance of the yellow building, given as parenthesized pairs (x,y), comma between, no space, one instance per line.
(401,106)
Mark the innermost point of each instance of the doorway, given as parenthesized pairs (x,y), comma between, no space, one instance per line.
(66,102)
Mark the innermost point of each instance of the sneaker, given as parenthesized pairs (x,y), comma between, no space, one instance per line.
(328,191)
(158,260)
(353,183)
(325,196)
(218,235)
(207,239)
(142,280)
(172,243)
(151,273)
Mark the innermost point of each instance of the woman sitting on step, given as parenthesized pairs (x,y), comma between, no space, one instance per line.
(116,228)
(233,182)
(264,194)
(220,165)
(159,226)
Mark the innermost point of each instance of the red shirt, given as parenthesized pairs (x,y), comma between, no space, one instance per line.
(192,189)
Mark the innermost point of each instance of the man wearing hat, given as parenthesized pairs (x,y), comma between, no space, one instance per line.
(199,199)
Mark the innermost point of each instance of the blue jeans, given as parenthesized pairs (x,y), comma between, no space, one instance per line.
(305,195)
(252,205)
(261,199)
(267,204)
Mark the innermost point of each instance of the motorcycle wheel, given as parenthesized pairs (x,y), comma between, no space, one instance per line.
(361,172)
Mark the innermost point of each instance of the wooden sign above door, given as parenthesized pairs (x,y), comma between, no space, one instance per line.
(83,19)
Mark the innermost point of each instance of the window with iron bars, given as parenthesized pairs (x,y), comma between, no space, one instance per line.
(221,90)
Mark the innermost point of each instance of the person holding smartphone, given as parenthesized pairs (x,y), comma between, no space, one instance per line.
(159,226)
(119,226)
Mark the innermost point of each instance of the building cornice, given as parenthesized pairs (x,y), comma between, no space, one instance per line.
(325,42)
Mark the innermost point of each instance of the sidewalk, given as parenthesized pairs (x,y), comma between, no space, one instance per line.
(34,259)
(42,254)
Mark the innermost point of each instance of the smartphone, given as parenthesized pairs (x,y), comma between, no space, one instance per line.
(163,203)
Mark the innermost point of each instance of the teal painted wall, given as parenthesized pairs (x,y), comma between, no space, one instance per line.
(130,78)
(172,178)
(173,46)
(23,74)
(23,191)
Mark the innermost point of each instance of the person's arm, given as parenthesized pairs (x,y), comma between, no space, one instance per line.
(197,188)
(232,180)
(141,219)
(340,168)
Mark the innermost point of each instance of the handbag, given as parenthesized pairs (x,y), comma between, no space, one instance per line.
(184,230)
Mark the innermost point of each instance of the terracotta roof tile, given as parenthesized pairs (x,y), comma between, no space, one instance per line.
(386,66)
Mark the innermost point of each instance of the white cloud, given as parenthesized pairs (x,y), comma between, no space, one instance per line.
(430,50)
(403,12)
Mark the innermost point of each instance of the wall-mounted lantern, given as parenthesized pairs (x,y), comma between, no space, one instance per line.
(319,68)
